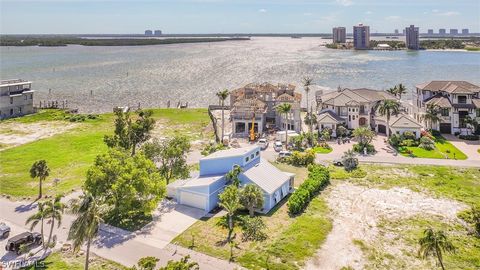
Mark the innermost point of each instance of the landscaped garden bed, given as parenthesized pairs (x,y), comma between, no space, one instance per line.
(428,146)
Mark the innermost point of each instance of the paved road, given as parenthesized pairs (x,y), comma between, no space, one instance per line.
(116,245)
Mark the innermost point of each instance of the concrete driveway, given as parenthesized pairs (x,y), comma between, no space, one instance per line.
(469,148)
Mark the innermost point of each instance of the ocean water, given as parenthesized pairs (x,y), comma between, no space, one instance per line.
(95,79)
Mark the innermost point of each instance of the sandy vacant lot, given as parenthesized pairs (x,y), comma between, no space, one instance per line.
(356,213)
(14,134)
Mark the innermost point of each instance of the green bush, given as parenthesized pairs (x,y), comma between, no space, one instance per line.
(408,135)
(409,142)
(395,140)
(212,148)
(359,149)
(299,159)
(318,178)
(76,118)
(253,229)
(426,143)
(471,137)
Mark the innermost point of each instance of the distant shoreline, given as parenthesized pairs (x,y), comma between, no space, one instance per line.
(61,42)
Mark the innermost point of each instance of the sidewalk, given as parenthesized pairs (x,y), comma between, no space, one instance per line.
(117,245)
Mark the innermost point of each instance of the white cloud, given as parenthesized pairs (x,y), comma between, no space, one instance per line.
(449,13)
(344,3)
(368,12)
(434,10)
(262,10)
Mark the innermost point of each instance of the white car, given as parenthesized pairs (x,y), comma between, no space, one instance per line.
(278,146)
(283,154)
(263,143)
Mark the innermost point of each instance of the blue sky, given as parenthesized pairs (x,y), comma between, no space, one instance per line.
(232,16)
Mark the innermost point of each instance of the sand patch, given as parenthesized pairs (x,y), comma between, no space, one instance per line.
(14,134)
(356,212)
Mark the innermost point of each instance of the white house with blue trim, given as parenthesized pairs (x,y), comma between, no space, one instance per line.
(202,189)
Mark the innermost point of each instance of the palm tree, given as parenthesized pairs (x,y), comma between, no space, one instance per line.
(307,81)
(387,108)
(54,210)
(230,201)
(393,90)
(40,169)
(222,96)
(285,109)
(38,217)
(401,89)
(233,174)
(434,243)
(89,211)
(251,198)
(431,115)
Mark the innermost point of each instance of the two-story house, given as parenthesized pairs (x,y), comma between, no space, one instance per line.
(255,104)
(202,189)
(455,99)
(354,108)
(16,98)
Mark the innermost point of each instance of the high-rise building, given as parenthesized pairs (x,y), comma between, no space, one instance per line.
(157,33)
(396,31)
(453,31)
(361,37)
(465,31)
(442,31)
(411,35)
(339,35)
(148,33)
(403,32)
(430,31)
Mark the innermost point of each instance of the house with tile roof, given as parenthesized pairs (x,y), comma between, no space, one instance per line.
(201,190)
(456,101)
(254,104)
(354,108)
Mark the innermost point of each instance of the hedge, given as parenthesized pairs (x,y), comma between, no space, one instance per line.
(318,178)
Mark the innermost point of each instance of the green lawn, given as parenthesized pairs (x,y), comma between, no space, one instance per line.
(62,261)
(291,240)
(70,154)
(322,150)
(443,149)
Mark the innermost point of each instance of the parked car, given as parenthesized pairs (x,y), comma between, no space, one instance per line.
(263,143)
(4,230)
(338,162)
(27,238)
(278,146)
(284,154)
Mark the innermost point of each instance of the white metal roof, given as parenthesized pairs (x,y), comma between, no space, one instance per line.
(266,176)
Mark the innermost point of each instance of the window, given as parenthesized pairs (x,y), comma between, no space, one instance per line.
(25,97)
(20,109)
(257,153)
(349,118)
(252,156)
(31,96)
(11,111)
(445,112)
(353,117)
(11,100)
(478,112)
(247,159)
(462,99)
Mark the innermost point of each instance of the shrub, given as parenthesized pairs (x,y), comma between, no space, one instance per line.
(409,142)
(456,133)
(359,149)
(350,162)
(299,158)
(425,133)
(318,178)
(435,132)
(408,135)
(471,137)
(395,140)
(253,229)
(92,116)
(426,143)
(76,118)
(212,148)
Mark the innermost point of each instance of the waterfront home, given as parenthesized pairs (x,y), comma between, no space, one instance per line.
(354,108)
(456,100)
(16,98)
(202,189)
(255,104)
